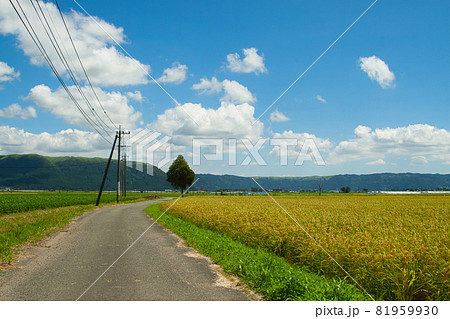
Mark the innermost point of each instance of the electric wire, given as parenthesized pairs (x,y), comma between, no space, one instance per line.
(81,63)
(30,30)
(90,106)
(41,48)
(64,62)
(45,55)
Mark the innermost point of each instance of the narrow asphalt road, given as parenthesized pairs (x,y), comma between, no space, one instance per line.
(157,267)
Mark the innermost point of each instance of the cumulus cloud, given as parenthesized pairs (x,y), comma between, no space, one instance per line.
(412,140)
(66,142)
(277,116)
(228,121)
(136,95)
(208,86)
(234,92)
(15,110)
(379,161)
(105,65)
(321,99)
(176,74)
(377,70)
(7,73)
(322,145)
(251,63)
(59,104)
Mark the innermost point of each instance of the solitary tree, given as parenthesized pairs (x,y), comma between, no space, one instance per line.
(345,189)
(180,174)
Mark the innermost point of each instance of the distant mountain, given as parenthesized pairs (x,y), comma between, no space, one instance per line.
(72,173)
(385,181)
(78,173)
(222,182)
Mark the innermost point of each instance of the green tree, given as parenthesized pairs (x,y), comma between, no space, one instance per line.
(180,175)
(345,189)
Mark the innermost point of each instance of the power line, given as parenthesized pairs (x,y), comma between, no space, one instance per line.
(137,63)
(90,106)
(42,50)
(28,26)
(64,62)
(81,63)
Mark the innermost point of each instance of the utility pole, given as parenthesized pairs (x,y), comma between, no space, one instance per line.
(119,134)
(122,176)
(125,176)
(124,172)
(118,165)
(106,171)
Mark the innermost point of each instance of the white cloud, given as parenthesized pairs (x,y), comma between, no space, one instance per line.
(176,74)
(136,95)
(321,99)
(15,110)
(105,65)
(379,161)
(252,62)
(277,116)
(60,105)
(208,86)
(234,92)
(413,140)
(228,121)
(67,142)
(323,145)
(419,160)
(444,158)
(7,73)
(377,70)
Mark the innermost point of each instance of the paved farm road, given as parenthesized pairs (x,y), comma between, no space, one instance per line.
(155,268)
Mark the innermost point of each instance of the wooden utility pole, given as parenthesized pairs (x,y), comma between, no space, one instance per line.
(119,134)
(106,172)
(125,176)
(118,166)
(121,185)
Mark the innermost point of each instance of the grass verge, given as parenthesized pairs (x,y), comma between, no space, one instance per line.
(265,273)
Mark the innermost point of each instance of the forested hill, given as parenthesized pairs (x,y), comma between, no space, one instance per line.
(372,182)
(72,173)
(78,173)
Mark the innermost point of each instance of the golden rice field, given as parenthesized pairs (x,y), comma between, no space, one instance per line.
(396,247)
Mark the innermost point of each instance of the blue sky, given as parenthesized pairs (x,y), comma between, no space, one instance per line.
(377,101)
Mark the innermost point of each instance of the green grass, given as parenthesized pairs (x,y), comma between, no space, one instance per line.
(265,273)
(14,202)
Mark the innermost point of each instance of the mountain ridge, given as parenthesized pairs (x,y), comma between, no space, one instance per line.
(32,171)
(356,182)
